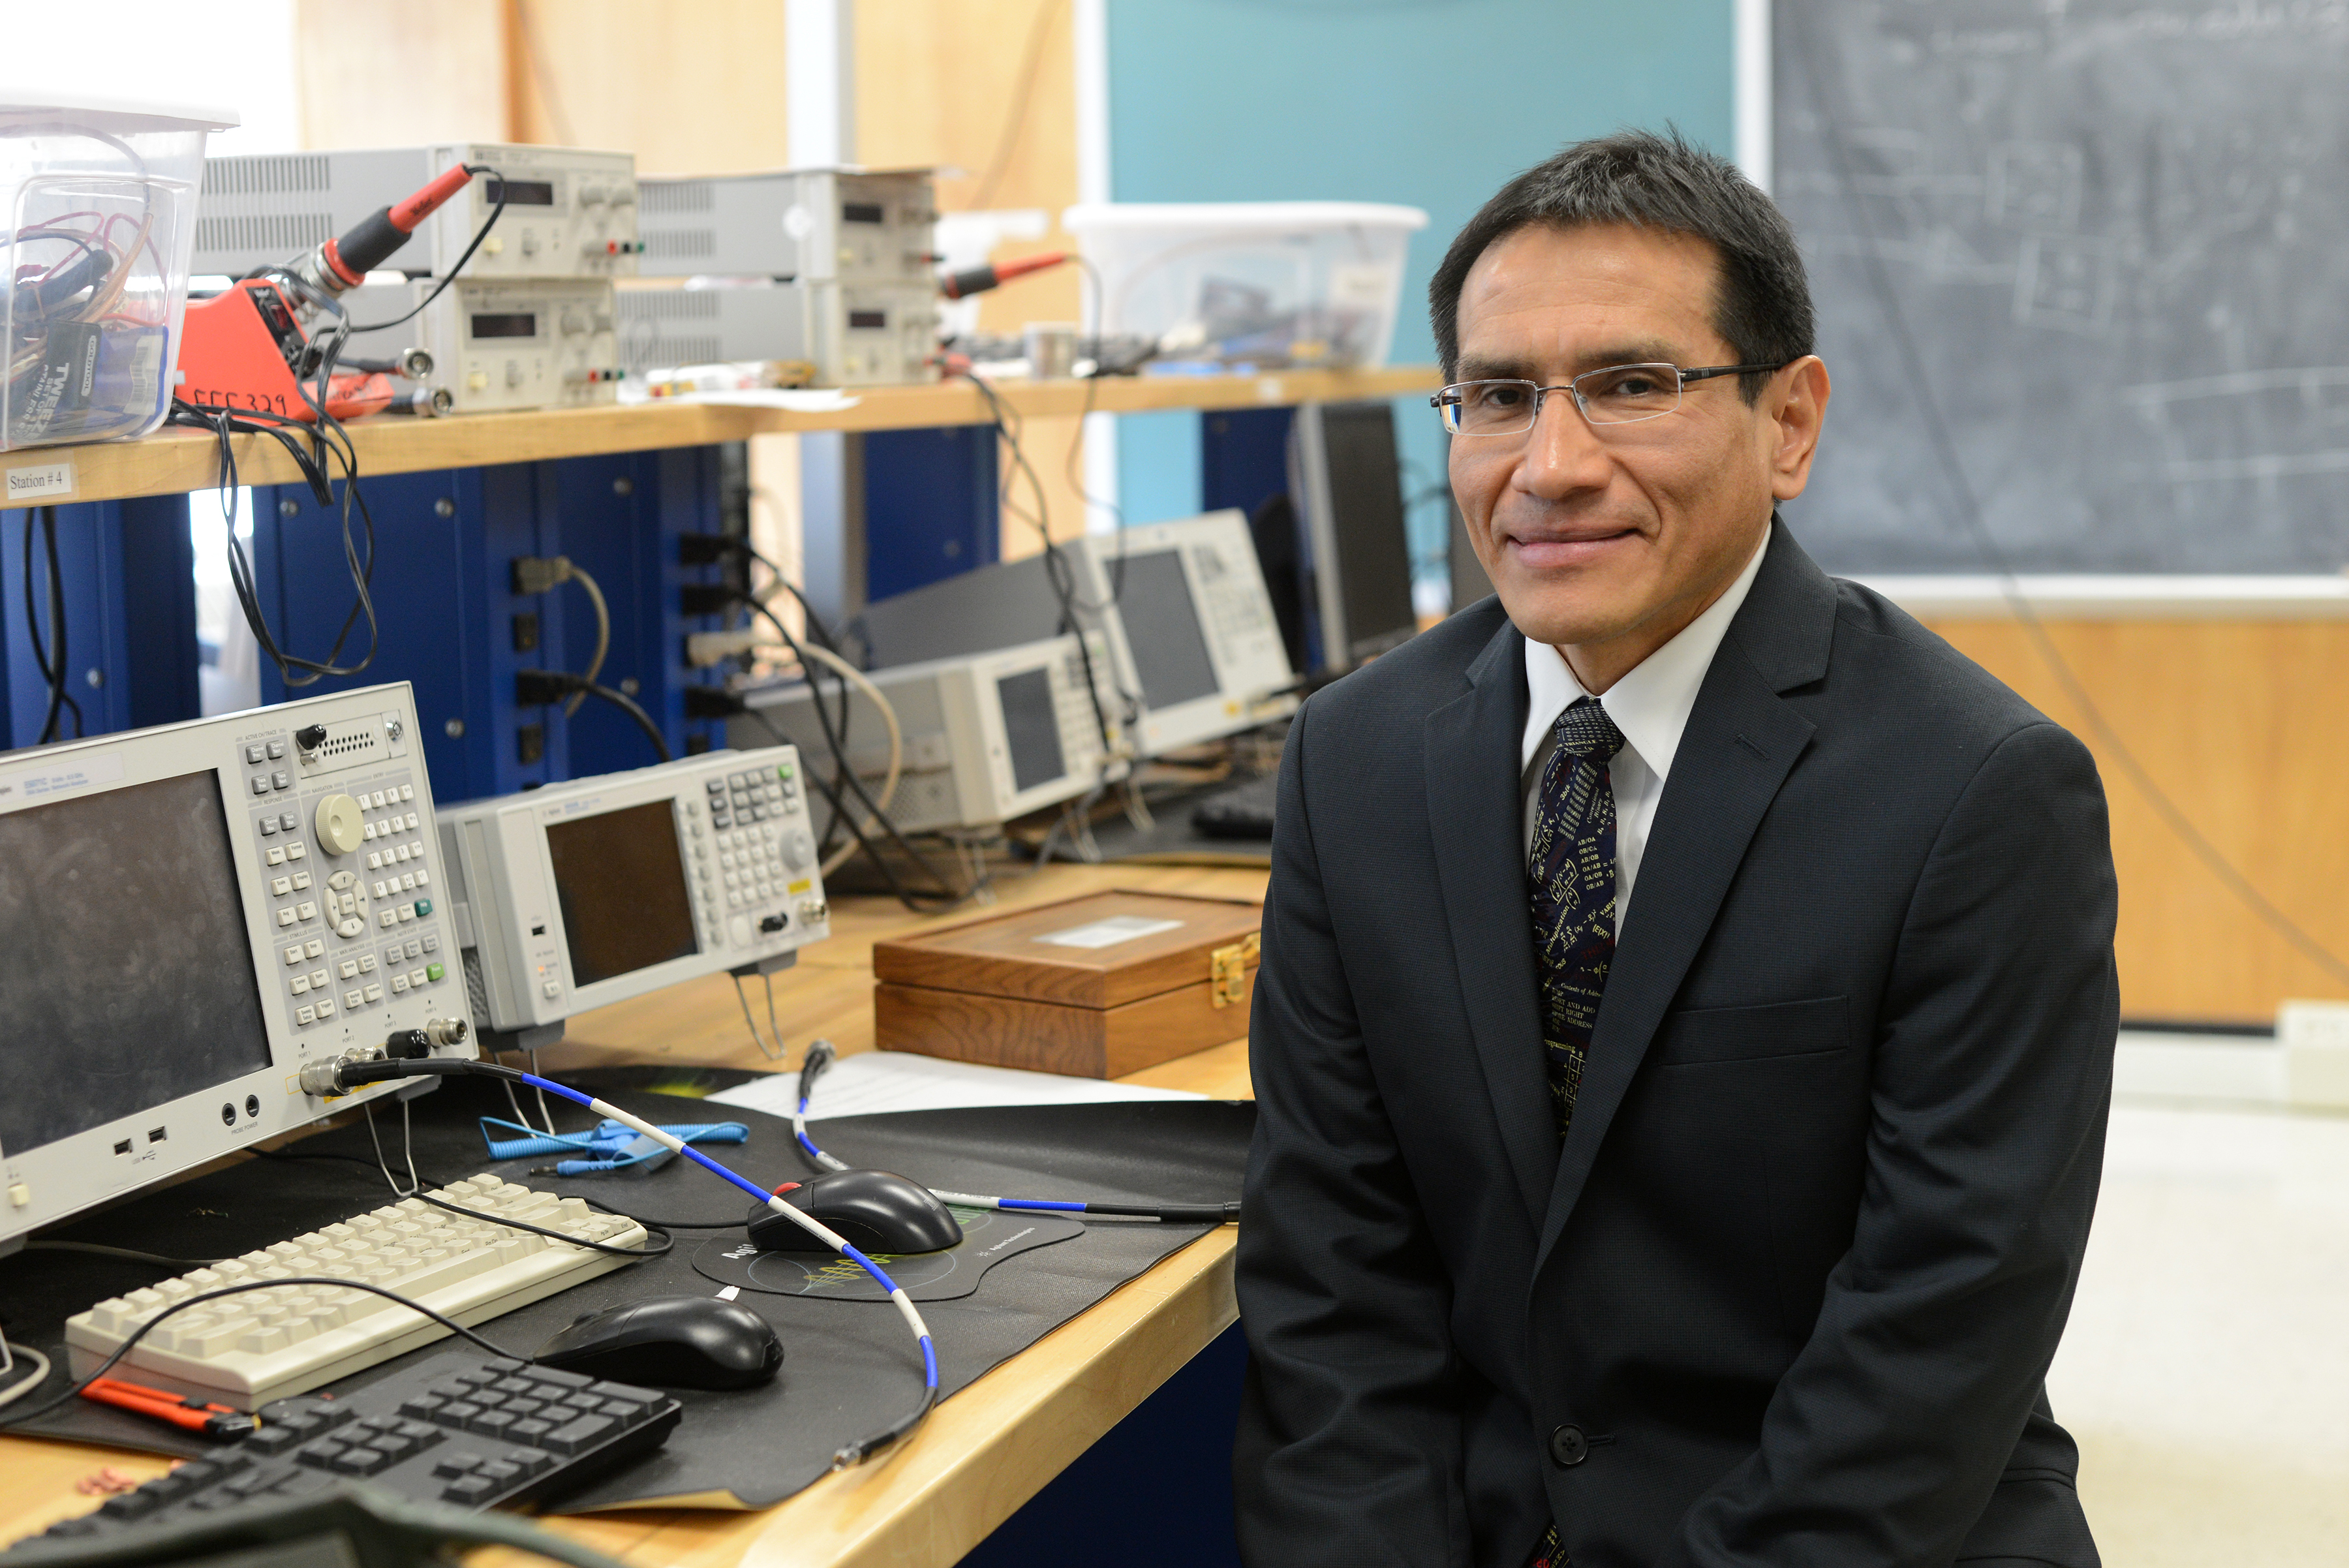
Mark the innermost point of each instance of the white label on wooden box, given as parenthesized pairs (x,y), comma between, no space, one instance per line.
(1107,933)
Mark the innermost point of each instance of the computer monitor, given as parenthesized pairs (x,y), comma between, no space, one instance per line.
(579,895)
(190,916)
(1194,649)
(983,738)
(1346,479)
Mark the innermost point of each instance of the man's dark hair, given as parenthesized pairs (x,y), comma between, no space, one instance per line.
(1761,307)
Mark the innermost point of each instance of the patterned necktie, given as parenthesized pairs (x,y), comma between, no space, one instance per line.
(1571,868)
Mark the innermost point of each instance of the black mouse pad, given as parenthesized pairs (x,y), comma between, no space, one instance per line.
(849,1367)
(988,1237)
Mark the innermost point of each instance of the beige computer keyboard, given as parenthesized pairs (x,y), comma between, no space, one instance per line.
(247,1349)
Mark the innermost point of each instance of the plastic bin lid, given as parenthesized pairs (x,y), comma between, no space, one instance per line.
(152,114)
(1240,215)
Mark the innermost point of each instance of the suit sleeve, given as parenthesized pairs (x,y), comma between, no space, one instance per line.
(1992,1076)
(1348,1450)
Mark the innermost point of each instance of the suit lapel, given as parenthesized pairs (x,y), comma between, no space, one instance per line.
(1476,814)
(1741,741)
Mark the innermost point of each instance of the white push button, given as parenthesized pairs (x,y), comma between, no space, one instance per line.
(314,948)
(293,956)
(281,886)
(553,988)
(306,1016)
(276,855)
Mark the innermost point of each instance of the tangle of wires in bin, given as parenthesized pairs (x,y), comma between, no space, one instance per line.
(85,349)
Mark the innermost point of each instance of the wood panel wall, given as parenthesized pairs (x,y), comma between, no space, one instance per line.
(691,87)
(986,92)
(393,76)
(2238,722)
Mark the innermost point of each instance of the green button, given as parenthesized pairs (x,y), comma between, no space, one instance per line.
(423,908)
(783,770)
(433,972)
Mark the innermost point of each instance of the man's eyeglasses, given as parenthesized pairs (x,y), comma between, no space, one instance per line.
(1618,395)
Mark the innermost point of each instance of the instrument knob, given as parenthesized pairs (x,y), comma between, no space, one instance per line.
(340,826)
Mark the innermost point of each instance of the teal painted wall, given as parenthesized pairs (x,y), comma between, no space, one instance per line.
(1430,103)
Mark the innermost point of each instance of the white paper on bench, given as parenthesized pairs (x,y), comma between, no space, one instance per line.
(874,1081)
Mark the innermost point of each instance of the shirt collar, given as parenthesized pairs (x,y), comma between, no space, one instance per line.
(1652,703)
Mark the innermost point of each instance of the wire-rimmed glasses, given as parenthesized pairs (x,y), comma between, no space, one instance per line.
(1615,394)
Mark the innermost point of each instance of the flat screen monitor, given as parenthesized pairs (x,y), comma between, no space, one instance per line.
(188,916)
(1163,628)
(1031,728)
(620,878)
(101,1026)
(1350,477)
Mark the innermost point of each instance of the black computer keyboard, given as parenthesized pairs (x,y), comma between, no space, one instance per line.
(1242,811)
(454,1429)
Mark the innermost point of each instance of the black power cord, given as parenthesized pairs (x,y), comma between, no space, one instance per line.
(320,1280)
(845,782)
(51,660)
(541,687)
(327,439)
(1057,572)
(496,210)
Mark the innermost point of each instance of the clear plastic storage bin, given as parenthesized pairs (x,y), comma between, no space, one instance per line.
(1270,284)
(100,222)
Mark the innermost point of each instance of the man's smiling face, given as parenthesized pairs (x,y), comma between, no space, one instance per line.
(1606,541)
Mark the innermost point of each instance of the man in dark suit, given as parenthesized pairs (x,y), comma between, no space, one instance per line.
(1734,1221)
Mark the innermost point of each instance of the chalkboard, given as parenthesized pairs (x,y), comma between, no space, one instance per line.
(2118,230)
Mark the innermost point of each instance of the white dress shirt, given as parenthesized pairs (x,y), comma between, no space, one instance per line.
(1650,705)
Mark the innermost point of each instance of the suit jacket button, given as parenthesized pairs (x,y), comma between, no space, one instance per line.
(1568,1447)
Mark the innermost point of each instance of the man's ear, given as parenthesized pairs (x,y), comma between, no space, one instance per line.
(1797,403)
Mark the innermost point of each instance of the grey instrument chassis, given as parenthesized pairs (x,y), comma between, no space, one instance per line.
(191,914)
(587,893)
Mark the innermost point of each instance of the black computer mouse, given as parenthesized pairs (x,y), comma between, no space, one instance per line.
(873,1211)
(669,1342)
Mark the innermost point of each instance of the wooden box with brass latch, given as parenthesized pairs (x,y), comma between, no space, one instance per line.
(1095,987)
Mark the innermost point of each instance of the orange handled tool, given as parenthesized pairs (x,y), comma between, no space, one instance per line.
(986,275)
(191,1415)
